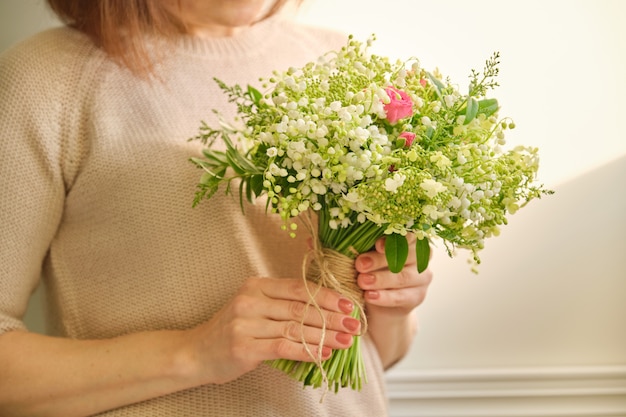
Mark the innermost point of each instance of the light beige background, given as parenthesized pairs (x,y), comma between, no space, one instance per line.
(542,329)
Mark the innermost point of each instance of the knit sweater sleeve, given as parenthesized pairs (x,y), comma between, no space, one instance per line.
(37,82)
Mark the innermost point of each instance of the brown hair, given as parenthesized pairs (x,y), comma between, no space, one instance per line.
(119,26)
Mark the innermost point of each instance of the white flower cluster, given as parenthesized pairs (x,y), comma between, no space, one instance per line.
(368,140)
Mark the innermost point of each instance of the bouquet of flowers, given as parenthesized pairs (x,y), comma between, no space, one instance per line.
(368,148)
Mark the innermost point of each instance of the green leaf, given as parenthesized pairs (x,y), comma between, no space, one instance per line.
(242,186)
(488,106)
(422,253)
(232,161)
(471,110)
(254,94)
(256,184)
(245,163)
(396,252)
(206,178)
(248,187)
(215,157)
(437,83)
(238,162)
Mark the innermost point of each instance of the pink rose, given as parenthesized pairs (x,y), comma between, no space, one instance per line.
(399,106)
(408,137)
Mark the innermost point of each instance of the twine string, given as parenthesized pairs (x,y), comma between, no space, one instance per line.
(330,269)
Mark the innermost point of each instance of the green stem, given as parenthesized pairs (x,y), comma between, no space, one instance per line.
(345,367)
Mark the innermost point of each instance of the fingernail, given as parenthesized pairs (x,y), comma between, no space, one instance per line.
(365,262)
(343,338)
(326,351)
(346,305)
(368,279)
(372,295)
(351,324)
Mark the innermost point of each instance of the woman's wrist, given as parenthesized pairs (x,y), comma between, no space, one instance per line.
(386,326)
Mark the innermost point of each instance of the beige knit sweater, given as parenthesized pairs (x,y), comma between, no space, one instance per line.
(96,202)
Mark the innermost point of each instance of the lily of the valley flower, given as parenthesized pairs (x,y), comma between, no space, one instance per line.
(392,184)
(432,187)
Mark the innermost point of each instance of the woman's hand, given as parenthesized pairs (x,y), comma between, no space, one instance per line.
(262,321)
(390,299)
(268,319)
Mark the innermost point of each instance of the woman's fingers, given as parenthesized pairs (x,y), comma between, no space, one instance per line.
(301,290)
(287,319)
(300,312)
(402,291)
(274,319)
(297,332)
(267,339)
(385,279)
(402,298)
(282,311)
(288,300)
(246,348)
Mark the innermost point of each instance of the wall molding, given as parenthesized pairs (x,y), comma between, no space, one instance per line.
(578,391)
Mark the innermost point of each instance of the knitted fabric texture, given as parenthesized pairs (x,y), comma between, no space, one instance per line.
(96,202)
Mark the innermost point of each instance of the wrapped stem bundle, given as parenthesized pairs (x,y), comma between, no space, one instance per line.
(332,267)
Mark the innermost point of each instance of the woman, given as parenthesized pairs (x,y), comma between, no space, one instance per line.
(155,308)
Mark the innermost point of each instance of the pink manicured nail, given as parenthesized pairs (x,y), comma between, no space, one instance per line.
(351,324)
(326,352)
(343,338)
(365,262)
(368,279)
(372,295)
(346,305)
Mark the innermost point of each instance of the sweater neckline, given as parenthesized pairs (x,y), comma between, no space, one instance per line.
(249,41)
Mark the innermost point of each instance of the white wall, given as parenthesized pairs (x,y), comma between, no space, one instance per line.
(542,329)
(21,18)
